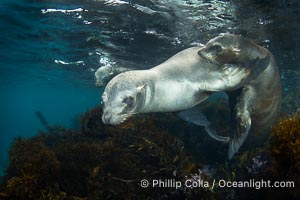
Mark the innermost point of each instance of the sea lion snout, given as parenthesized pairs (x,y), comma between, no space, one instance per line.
(111,119)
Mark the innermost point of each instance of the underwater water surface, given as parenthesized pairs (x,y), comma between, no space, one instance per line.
(51,49)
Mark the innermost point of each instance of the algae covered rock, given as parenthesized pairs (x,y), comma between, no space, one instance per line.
(285,142)
(277,161)
(285,148)
(32,171)
(99,162)
(109,162)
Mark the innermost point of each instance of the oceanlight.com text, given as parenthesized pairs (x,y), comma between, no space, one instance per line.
(257,184)
(252,183)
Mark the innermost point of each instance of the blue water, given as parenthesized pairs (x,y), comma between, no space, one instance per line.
(33,80)
(50,49)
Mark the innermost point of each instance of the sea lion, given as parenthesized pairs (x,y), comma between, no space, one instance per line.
(106,72)
(169,87)
(178,84)
(257,106)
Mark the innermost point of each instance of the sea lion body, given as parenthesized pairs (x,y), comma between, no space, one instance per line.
(267,101)
(227,63)
(259,104)
(171,86)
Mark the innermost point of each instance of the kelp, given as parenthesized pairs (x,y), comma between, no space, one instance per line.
(277,161)
(108,162)
(285,142)
(99,162)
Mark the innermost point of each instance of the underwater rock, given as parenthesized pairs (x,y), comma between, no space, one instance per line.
(91,123)
(285,142)
(32,171)
(100,162)
(108,162)
(279,160)
(285,149)
(284,160)
(258,163)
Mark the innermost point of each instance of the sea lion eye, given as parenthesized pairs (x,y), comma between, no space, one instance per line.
(129,100)
(215,48)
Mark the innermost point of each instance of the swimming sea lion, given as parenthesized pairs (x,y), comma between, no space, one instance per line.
(258,105)
(106,72)
(178,84)
(169,87)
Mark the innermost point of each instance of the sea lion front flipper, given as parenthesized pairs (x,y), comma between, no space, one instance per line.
(257,65)
(242,121)
(234,75)
(195,116)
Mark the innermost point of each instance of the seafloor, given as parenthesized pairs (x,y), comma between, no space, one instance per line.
(109,162)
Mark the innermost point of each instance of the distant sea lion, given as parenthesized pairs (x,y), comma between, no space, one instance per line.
(106,72)
(185,80)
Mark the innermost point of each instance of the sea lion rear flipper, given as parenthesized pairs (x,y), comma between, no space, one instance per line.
(242,122)
(195,116)
(212,133)
(239,135)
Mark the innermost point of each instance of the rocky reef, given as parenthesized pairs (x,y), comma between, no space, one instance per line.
(285,151)
(277,162)
(99,162)
(109,162)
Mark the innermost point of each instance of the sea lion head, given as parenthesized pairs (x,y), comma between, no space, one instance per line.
(123,97)
(229,48)
(103,74)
